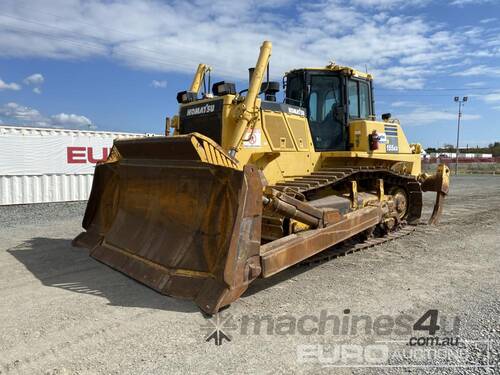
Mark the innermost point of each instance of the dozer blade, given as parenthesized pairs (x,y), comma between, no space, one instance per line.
(163,215)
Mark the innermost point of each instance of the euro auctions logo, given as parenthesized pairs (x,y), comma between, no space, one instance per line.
(84,155)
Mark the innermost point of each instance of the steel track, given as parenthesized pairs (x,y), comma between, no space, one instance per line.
(313,184)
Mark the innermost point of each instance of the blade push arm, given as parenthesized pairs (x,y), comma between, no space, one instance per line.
(247,108)
(198,77)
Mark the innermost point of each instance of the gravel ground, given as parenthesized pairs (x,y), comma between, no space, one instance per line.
(62,312)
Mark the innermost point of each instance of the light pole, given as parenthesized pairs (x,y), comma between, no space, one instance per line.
(457,99)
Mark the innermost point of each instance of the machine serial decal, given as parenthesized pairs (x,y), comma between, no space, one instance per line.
(392,148)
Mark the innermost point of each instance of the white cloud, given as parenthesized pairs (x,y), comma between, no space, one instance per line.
(424,115)
(403,103)
(487,20)
(35,79)
(158,84)
(476,84)
(9,86)
(389,3)
(399,77)
(479,70)
(72,120)
(491,98)
(467,2)
(19,114)
(372,32)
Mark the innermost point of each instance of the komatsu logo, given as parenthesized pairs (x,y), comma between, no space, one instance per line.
(207,108)
(296,111)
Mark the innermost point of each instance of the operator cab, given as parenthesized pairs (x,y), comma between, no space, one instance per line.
(333,96)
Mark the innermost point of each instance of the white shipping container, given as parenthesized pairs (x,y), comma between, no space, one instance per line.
(462,155)
(50,165)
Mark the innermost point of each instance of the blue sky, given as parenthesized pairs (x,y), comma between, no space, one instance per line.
(117,65)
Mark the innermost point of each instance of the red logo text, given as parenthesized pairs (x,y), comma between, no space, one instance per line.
(82,155)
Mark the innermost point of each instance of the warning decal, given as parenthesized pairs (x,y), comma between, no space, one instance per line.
(252,138)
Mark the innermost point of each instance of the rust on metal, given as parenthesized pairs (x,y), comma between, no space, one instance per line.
(287,206)
(185,228)
(287,251)
(177,215)
(440,183)
(349,247)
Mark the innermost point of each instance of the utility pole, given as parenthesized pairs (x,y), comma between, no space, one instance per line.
(460,102)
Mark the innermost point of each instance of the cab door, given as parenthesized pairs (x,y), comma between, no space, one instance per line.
(359,99)
(324,112)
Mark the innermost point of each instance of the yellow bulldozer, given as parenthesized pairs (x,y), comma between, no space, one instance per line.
(244,186)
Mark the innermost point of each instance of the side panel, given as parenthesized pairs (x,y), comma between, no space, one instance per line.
(402,163)
(283,148)
(300,132)
(392,137)
(277,131)
(204,118)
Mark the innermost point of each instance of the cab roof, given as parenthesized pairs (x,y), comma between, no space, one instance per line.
(332,67)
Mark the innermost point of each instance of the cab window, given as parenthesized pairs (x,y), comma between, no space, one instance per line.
(364,100)
(330,102)
(352,92)
(294,91)
(313,105)
(358,93)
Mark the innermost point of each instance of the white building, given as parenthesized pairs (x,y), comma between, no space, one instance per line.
(451,155)
(50,165)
